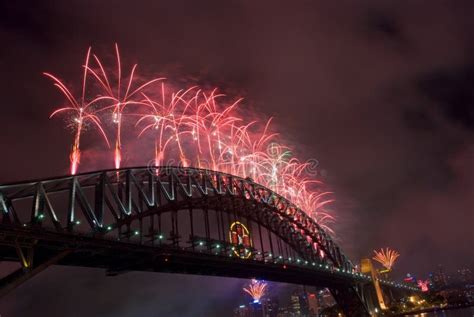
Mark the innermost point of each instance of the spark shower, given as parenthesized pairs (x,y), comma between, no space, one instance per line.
(190,126)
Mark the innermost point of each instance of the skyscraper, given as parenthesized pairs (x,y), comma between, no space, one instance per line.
(299,303)
(326,299)
(295,304)
(242,311)
(270,307)
(439,277)
(313,305)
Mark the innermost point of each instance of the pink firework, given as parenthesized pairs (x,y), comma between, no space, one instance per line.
(166,117)
(423,285)
(199,128)
(120,96)
(82,113)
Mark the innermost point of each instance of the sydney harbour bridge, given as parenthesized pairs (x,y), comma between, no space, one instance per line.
(177,220)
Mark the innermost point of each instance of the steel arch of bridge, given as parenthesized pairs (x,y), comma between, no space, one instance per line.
(97,219)
(132,194)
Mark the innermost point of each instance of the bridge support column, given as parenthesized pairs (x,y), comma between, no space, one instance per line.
(18,277)
(351,303)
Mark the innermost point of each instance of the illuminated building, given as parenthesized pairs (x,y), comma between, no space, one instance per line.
(284,312)
(270,307)
(256,309)
(409,279)
(313,305)
(465,275)
(299,303)
(439,278)
(295,304)
(242,311)
(325,299)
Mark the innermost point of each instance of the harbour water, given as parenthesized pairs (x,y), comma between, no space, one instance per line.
(465,312)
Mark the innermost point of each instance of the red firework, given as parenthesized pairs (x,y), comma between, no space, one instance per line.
(193,127)
(386,257)
(256,289)
(82,112)
(120,98)
(423,285)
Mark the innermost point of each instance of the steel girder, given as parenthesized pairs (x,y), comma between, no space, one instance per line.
(44,215)
(134,193)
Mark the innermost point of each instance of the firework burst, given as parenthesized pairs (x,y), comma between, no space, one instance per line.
(81,113)
(120,95)
(194,127)
(386,257)
(423,285)
(256,289)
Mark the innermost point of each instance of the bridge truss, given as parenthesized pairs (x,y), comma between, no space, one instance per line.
(170,219)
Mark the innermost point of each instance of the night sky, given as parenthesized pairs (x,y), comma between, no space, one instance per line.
(381,93)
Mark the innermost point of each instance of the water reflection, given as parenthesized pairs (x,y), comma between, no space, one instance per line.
(466,312)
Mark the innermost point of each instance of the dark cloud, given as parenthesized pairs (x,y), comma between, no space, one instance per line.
(385,25)
(24,20)
(452,93)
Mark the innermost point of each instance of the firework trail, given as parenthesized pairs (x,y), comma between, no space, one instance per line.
(386,257)
(121,98)
(168,121)
(82,114)
(198,130)
(194,127)
(256,289)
